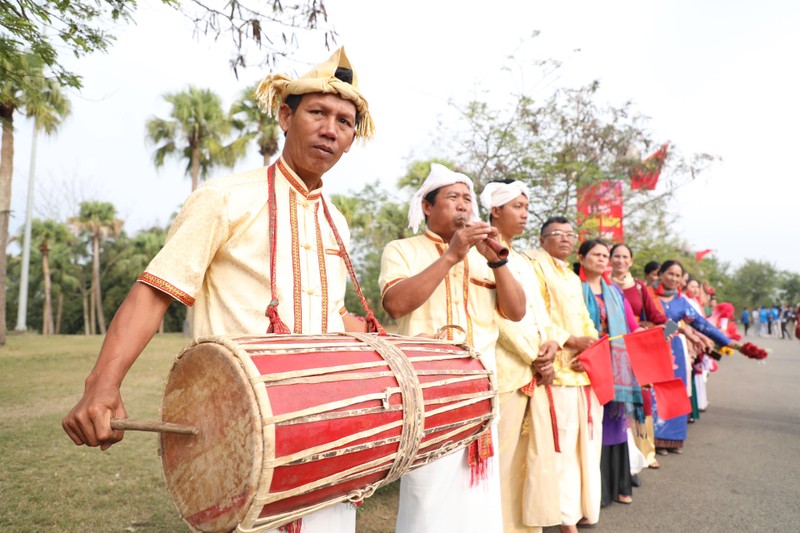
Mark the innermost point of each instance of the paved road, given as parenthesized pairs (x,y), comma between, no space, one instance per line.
(740,470)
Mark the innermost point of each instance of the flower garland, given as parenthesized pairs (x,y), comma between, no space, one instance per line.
(752,351)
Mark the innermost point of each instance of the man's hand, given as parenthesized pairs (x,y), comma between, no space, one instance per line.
(547,354)
(579,344)
(546,377)
(89,422)
(576,365)
(474,234)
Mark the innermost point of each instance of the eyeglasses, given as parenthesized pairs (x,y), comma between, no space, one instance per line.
(562,235)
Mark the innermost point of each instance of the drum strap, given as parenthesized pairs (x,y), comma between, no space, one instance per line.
(276,325)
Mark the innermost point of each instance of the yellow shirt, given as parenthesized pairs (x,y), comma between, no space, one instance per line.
(519,342)
(563,297)
(466,297)
(217,257)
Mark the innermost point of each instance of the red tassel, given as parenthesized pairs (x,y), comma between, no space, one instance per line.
(276,325)
(292,527)
(373,326)
(478,455)
(553,419)
(588,390)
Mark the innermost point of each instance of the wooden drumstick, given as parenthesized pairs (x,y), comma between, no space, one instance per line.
(152,425)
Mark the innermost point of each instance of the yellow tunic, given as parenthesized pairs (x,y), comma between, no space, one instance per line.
(438,497)
(563,296)
(466,297)
(518,343)
(217,258)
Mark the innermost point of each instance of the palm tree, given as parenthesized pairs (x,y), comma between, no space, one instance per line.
(98,221)
(18,89)
(54,239)
(255,124)
(196,132)
(47,107)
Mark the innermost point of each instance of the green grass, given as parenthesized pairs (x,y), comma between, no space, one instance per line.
(48,484)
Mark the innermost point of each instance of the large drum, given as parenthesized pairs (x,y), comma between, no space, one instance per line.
(289,424)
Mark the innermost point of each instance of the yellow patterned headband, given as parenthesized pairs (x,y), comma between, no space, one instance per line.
(274,89)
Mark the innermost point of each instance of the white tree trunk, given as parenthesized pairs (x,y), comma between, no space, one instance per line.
(22,306)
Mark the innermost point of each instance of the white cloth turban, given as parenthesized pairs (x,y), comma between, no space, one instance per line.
(440,176)
(498,194)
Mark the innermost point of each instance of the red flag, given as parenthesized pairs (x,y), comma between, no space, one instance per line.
(671,399)
(596,360)
(650,355)
(646,175)
(701,254)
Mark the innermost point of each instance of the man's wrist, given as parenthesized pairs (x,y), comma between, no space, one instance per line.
(497,264)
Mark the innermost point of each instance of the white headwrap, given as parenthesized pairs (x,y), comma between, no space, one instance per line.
(440,176)
(497,194)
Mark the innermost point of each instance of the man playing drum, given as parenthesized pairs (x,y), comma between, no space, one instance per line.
(450,277)
(221,260)
(578,413)
(527,452)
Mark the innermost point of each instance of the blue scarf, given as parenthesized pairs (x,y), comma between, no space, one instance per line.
(627,392)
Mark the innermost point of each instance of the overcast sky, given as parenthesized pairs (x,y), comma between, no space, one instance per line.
(716,77)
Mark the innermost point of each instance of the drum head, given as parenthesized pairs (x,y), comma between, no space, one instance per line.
(213,476)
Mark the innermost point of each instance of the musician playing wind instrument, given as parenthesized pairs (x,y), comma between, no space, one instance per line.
(450,276)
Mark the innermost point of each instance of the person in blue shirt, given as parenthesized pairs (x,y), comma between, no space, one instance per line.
(775,319)
(764,317)
(746,319)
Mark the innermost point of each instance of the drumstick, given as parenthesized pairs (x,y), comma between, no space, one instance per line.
(153,425)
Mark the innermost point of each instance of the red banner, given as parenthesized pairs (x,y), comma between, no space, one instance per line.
(646,175)
(701,254)
(600,211)
(650,356)
(671,399)
(596,361)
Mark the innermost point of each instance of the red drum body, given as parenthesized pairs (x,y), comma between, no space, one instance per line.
(290,424)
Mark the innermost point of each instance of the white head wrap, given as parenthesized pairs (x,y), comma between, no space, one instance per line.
(440,176)
(497,194)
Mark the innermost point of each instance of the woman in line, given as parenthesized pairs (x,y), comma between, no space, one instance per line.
(670,434)
(612,315)
(648,313)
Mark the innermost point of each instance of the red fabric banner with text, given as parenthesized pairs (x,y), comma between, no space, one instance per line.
(600,211)
(596,361)
(650,355)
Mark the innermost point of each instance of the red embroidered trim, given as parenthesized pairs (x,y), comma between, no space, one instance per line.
(298,187)
(391,283)
(323,275)
(470,339)
(434,238)
(482,283)
(297,275)
(449,299)
(166,287)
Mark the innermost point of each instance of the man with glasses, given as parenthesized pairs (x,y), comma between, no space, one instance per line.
(579,415)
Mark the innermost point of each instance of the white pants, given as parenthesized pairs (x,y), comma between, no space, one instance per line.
(438,498)
(338,518)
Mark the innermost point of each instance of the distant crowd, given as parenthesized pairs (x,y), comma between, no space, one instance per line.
(779,321)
